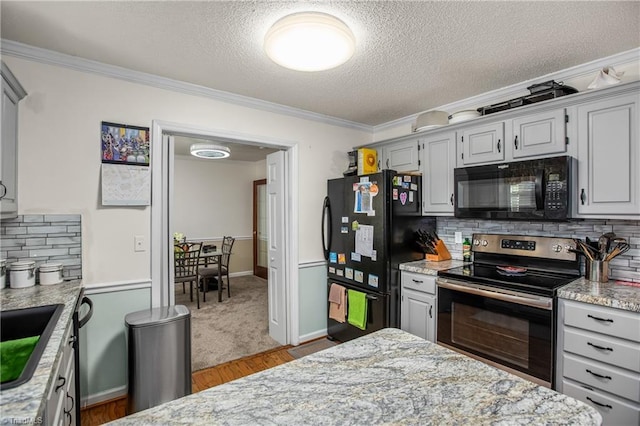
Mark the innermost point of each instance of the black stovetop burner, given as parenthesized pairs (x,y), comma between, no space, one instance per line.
(532,281)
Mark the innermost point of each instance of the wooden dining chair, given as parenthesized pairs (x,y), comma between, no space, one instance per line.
(187,260)
(208,272)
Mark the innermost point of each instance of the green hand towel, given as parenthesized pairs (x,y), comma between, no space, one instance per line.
(14,355)
(357,307)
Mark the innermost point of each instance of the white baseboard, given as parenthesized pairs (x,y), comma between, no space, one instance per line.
(103,396)
(240,274)
(312,336)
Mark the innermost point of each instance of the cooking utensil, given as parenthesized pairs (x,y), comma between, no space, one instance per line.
(603,242)
(619,249)
(588,251)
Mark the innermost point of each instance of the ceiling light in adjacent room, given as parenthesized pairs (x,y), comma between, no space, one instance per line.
(205,150)
(309,41)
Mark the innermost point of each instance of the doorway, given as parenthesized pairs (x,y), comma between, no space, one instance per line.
(162,291)
(260,262)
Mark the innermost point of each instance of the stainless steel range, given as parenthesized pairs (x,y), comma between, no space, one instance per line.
(502,308)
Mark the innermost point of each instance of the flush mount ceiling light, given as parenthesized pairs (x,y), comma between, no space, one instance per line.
(205,150)
(309,41)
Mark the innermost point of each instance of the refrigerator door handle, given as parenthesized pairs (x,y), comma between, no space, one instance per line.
(326,220)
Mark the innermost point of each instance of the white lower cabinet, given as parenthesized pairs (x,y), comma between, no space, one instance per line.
(599,359)
(418,305)
(62,397)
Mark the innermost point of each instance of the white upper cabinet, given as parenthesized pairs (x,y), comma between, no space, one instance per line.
(12,92)
(481,144)
(539,134)
(438,161)
(402,156)
(608,156)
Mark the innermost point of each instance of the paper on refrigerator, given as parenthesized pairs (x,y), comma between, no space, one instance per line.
(364,241)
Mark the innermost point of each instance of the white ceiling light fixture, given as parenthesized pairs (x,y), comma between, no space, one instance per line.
(309,41)
(209,151)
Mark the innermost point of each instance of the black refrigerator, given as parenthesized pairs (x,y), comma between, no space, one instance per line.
(368,229)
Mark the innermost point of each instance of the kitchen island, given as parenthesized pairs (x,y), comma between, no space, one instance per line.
(386,377)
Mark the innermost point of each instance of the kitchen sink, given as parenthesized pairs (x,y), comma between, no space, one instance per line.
(24,335)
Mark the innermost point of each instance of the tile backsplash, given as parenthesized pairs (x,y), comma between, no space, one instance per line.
(44,238)
(624,267)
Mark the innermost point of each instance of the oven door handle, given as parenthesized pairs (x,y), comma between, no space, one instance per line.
(527,300)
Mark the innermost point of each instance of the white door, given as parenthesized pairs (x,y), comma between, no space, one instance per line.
(276,217)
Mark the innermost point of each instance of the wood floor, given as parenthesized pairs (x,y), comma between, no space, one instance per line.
(200,380)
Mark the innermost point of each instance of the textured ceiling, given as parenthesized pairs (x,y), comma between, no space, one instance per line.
(410,56)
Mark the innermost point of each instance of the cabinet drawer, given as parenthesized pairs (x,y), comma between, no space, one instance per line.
(614,411)
(419,282)
(606,377)
(609,321)
(621,353)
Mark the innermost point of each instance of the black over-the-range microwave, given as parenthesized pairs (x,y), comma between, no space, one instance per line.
(527,190)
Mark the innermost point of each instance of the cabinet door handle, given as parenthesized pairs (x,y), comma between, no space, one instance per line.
(387,163)
(417,281)
(499,145)
(600,404)
(583,196)
(515,141)
(600,376)
(60,386)
(73,401)
(602,348)
(431,311)
(3,190)
(600,319)
(451,199)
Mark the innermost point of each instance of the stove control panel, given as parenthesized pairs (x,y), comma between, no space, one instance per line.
(525,245)
(518,245)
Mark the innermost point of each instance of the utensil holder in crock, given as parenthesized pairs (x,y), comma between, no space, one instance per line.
(597,270)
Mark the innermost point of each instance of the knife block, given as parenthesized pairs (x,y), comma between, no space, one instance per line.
(443,253)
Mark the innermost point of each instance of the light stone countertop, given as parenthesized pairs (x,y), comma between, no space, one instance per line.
(610,294)
(430,268)
(386,377)
(25,404)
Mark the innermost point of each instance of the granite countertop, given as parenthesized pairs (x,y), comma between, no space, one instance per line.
(25,404)
(610,294)
(386,377)
(430,268)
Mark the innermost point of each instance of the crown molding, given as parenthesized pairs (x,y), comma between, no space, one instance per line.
(516,90)
(50,57)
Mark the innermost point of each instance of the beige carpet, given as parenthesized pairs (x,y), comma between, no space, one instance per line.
(231,329)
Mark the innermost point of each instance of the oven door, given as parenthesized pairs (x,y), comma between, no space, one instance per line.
(504,328)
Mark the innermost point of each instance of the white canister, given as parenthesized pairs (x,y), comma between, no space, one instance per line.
(23,274)
(3,273)
(50,273)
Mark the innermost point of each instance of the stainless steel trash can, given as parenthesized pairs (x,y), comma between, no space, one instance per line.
(159,342)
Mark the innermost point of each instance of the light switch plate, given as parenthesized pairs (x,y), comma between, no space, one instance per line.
(138,243)
(458,237)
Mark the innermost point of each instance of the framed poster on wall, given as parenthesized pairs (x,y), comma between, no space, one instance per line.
(124,144)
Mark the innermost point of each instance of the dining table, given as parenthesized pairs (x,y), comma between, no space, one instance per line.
(216,256)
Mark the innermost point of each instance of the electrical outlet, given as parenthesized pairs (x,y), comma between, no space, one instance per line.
(458,237)
(138,243)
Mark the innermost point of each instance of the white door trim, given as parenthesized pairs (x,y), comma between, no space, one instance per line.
(161,247)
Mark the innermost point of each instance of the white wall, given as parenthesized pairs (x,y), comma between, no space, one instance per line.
(214,198)
(59,172)
(59,156)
